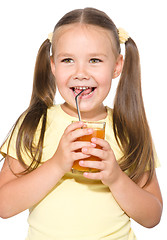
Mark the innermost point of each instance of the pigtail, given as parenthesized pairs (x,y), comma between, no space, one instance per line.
(42,98)
(129,119)
(44,83)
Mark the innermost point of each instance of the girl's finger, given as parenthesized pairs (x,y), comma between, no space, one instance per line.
(80,144)
(95,152)
(79,155)
(102,143)
(76,130)
(73,126)
(92,164)
(97,176)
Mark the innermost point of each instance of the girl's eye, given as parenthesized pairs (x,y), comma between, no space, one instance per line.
(95,60)
(67,60)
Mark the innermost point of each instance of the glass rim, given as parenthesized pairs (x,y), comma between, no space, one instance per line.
(94,124)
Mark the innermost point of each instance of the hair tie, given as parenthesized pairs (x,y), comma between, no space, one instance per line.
(50,36)
(123,35)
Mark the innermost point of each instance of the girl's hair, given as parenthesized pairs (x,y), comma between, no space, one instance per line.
(129,119)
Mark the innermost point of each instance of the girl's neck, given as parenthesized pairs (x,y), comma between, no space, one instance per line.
(95,115)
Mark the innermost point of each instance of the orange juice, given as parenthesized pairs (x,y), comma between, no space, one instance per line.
(98,132)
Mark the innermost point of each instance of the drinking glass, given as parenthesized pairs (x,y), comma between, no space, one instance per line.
(98,132)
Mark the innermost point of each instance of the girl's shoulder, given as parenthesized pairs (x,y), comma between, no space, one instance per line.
(109,113)
(52,111)
(56,112)
(54,115)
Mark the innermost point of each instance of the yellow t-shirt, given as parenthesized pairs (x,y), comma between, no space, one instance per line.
(76,208)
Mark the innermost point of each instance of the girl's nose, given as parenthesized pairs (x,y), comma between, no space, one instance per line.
(81,73)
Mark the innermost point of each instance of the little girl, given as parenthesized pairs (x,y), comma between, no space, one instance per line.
(42,147)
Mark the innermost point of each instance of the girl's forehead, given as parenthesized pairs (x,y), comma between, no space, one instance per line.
(81,28)
(77,30)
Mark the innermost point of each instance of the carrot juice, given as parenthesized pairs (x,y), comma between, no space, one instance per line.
(98,132)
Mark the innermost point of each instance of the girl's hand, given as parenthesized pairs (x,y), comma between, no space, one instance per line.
(108,167)
(65,154)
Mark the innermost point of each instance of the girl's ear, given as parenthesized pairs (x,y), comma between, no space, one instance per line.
(52,65)
(118,66)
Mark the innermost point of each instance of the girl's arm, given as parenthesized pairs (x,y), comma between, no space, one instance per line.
(143,204)
(20,193)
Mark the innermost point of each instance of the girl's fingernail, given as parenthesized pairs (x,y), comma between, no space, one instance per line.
(84,149)
(93,139)
(81,162)
(93,144)
(90,130)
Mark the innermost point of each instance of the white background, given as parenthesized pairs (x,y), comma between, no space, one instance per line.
(24,25)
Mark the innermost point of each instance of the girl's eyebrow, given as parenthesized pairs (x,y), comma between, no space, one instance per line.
(64,55)
(89,55)
(98,54)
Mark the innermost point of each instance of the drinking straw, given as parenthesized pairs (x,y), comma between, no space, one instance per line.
(76,100)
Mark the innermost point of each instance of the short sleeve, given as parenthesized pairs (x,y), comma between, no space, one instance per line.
(9,146)
(10,149)
(156,159)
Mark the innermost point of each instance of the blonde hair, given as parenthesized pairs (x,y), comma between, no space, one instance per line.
(129,119)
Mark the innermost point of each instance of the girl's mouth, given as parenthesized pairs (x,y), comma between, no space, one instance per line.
(87,90)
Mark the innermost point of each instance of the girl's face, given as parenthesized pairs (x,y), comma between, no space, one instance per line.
(84,58)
